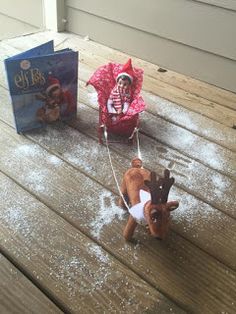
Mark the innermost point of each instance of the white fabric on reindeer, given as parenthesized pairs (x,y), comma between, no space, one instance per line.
(137,211)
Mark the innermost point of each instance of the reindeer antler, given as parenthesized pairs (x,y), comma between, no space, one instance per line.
(160,188)
(154,187)
(166,185)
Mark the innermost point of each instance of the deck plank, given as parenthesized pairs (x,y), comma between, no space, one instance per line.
(195,220)
(192,86)
(91,51)
(190,144)
(195,178)
(211,130)
(73,270)
(190,175)
(195,103)
(188,84)
(19,295)
(174,113)
(175,267)
(181,140)
(194,266)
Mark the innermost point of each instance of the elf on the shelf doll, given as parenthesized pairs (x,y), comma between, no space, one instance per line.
(120,97)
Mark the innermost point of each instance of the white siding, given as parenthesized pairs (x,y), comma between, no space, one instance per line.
(227,4)
(196,38)
(28,11)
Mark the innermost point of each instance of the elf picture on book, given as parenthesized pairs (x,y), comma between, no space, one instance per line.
(57,102)
(43,86)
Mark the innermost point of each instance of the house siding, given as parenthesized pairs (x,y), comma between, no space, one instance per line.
(195,38)
(27,11)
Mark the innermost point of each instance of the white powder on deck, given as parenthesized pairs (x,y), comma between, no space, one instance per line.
(193,214)
(99,253)
(13,218)
(66,269)
(93,98)
(221,186)
(107,212)
(190,120)
(55,160)
(32,175)
(213,153)
(36,179)
(198,147)
(28,150)
(74,147)
(43,237)
(80,156)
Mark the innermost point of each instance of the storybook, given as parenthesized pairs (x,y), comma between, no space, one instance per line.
(42,85)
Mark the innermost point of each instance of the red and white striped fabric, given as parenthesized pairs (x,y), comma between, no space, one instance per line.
(119,96)
(104,80)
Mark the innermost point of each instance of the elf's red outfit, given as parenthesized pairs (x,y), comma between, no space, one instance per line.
(120,99)
(104,80)
(64,99)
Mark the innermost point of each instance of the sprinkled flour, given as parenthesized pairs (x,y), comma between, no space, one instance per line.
(99,253)
(28,150)
(33,162)
(193,214)
(93,98)
(55,160)
(107,212)
(190,120)
(43,239)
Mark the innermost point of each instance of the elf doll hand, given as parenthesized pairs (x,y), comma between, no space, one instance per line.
(125,107)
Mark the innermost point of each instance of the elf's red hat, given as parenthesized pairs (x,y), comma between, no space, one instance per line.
(52,82)
(127,70)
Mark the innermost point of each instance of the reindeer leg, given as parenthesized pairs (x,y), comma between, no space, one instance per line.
(129,228)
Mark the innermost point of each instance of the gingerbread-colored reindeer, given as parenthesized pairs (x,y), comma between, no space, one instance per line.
(147,198)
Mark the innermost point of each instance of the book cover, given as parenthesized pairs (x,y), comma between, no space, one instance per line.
(43,86)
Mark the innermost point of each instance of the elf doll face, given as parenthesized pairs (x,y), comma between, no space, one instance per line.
(56,94)
(123,83)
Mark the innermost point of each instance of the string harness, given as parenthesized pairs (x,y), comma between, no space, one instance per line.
(135,131)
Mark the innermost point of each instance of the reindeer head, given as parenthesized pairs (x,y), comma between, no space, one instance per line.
(157,211)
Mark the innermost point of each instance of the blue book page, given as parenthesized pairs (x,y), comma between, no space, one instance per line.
(44,49)
(43,88)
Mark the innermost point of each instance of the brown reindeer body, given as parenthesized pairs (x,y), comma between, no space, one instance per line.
(133,182)
(156,210)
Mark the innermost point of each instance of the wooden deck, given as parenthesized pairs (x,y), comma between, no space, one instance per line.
(61,240)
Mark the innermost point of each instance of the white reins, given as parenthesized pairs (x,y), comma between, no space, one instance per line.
(136,130)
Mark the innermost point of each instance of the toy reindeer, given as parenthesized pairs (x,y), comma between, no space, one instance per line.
(147,197)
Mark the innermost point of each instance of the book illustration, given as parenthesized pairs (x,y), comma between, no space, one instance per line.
(43,86)
(58,102)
